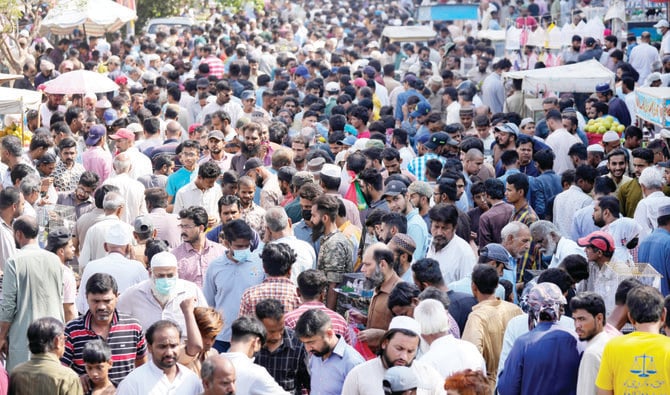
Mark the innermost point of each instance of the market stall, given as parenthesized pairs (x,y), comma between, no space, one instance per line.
(653,105)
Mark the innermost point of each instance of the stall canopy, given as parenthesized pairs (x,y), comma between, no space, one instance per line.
(14,101)
(94,17)
(653,105)
(409,33)
(577,77)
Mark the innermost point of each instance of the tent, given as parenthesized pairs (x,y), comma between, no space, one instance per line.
(409,33)
(577,77)
(95,17)
(14,101)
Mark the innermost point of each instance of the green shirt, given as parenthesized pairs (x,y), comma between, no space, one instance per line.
(44,374)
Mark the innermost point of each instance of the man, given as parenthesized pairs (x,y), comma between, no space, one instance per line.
(282,354)
(603,280)
(548,350)
(330,177)
(125,140)
(59,242)
(434,145)
(222,103)
(331,358)
(165,224)
(617,107)
(655,248)
(516,192)
(574,198)
(163,374)
(398,348)
(493,91)
(251,148)
(630,193)
(131,189)
(461,258)
(560,141)
(96,159)
(188,157)
(218,376)
(229,209)
(247,337)
(626,359)
(617,164)
(161,295)
(515,237)
(336,252)
(67,172)
(646,213)
(229,276)
(102,321)
(196,252)
(21,305)
(271,194)
(495,218)
(277,261)
(163,165)
(11,207)
(80,196)
(126,272)
(215,151)
(588,310)
(251,213)
(552,243)
(397,197)
(202,192)
(487,322)
(447,354)
(43,373)
(545,186)
(279,231)
(403,248)
(642,57)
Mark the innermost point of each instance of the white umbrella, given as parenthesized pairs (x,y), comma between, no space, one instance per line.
(80,81)
(95,17)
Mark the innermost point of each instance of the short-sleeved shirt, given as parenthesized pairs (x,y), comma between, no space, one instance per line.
(335,256)
(125,338)
(177,180)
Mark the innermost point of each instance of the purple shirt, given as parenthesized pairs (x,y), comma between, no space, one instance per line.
(98,161)
(192,265)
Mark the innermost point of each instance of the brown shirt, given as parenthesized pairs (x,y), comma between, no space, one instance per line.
(379,315)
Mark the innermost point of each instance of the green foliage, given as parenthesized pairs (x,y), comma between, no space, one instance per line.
(148,9)
(236,5)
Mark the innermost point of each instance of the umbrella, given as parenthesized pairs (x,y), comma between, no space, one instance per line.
(95,17)
(80,81)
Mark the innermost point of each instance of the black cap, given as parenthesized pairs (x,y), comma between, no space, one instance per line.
(58,237)
(251,164)
(437,140)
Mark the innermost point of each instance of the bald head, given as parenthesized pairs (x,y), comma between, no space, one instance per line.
(122,163)
(218,376)
(172,129)
(474,154)
(377,263)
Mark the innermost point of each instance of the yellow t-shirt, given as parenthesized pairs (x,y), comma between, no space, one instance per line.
(637,363)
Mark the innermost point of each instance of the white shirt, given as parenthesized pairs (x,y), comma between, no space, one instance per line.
(590,364)
(126,272)
(306,257)
(665,44)
(560,141)
(93,247)
(406,154)
(518,326)
(252,379)
(646,212)
(139,302)
(367,378)
(564,248)
(631,104)
(642,58)
(453,113)
(456,259)
(133,193)
(449,355)
(141,164)
(569,201)
(231,108)
(190,195)
(150,380)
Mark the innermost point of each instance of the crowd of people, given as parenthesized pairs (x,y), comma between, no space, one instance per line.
(287,202)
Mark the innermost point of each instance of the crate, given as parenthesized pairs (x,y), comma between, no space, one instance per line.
(641,271)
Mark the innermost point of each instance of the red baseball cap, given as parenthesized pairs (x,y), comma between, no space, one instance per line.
(598,239)
(123,133)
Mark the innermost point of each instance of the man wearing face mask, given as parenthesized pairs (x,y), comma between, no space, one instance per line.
(303,229)
(160,296)
(229,276)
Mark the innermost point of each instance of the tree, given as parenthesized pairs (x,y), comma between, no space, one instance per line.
(16,12)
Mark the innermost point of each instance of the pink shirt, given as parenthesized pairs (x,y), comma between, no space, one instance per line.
(339,324)
(98,161)
(192,265)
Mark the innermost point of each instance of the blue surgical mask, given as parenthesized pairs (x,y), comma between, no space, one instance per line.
(241,255)
(165,285)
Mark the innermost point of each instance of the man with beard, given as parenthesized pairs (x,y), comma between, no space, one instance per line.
(48,108)
(547,236)
(399,346)
(397,198)
(515,237)
(67,172)
(377,265)
(588,311)
(420,193)
(630,193)
(392,224)
(222,103)
(80,198)
(268,183)
(300,147)
(506,135)
(371,183)
(250,148)
(331,357)
(215,152)
(103,320)
(606,210)
(251,213)
(454,254)
(163,374)
(160,296)
(335,255)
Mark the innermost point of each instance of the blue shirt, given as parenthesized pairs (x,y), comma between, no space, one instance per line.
(542,361)
(544,188)
(225,282)
(655,249)
(402,99)
(303,232)
(582,223)
(418,231)
(327,377)
(177,180)
(417,166)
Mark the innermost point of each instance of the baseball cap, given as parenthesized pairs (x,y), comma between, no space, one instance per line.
(251,164)
(58,237)
(495,252)
(437,139)
(143,224)
(202,83)
(526,121)
(409,78)
(401,378)
(110,116)
(95,133)
(421,187)
(508,127)
(598,239)
(589,41)
(349,140)
(118,234)
(349,128)
(395,188)
(216,134)
(422,108)
(121,80)
(665,164)
(47,158)
(123,133)
(359,82)
(603,87)
(610,136)
(248,94)
(331,170)
(662,23)
(332,87)
(164,259)
(302,71)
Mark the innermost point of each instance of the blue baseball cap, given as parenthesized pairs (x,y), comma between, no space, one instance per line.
(349,140)
(422,108)
(95,133)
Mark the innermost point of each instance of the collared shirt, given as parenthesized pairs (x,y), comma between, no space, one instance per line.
(525,214)
(655,249)
(166,226)
(94,246)
(190,195)
(85,222)
(543,188)
(590,364)
(287,363)
(353,233)
(418,231)
(493,92)
(141,163)
(629,196)
(449,355)
(7,243)
(178,179)
(225,283)
(339,324)
(306,256)
(646,212)
(565,247)
(492,221)
(66,180)
(251,378)
(133,193)
(125,338)
(216,66)
(367,377)
(418,165)
(327,376)
(569,201)
(582,223)
(139,302)
(603,281)
(560,141)
(379,315)
(280,288)
(81,208)
(335,256)
(43,374)
(271,194)
(151,380)
(224,163)
(99,161)
(193,264)
(456,259)
(254,216)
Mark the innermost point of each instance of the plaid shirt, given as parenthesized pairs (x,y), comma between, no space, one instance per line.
(418,165)
(287,364)
(280,288)
(338,322)
(526,215)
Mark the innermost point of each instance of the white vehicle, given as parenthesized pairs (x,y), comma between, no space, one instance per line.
(164,24)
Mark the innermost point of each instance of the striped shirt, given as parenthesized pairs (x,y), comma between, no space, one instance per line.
(339,324)
(526,215)
(280,288)
(125,338)
(287,364)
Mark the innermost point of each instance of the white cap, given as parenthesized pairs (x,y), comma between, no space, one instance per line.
(103,103)
(167,68)
(135,127)
(152,56)
(164,259)
(595,148)
(118,234)
(332,87)
(662,23)
(611,136)
(407,323)
(331,170)
(373,44)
